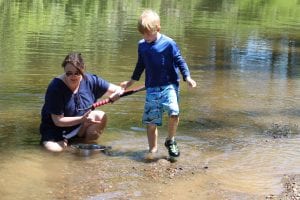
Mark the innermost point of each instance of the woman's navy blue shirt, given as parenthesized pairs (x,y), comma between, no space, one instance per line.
(60,100)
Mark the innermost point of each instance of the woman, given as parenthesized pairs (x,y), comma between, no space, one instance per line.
(67,94)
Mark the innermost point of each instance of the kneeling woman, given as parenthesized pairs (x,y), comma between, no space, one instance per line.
(67,94)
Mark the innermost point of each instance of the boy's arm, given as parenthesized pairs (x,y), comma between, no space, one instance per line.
(180,62)
(183,67)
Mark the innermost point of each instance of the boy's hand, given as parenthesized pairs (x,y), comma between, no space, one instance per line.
(117,94)
(191,82)
(124,84)
(127,84)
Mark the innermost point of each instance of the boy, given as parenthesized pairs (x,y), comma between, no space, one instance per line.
(160,57)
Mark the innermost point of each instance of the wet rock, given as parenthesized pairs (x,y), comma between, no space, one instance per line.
(163,162)
(280,130)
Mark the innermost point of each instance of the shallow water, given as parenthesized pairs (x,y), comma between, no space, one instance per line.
(244,56)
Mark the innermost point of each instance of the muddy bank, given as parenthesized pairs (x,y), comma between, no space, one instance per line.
(193,188)
(113,180)
(156,180)
(218,168)
(223,164)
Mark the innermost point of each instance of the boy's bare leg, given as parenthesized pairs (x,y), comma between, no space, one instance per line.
(152,137)
(172,126)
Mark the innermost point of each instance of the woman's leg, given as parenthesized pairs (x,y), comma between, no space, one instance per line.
(55,146)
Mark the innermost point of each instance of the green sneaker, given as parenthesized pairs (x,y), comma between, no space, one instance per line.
(172,147)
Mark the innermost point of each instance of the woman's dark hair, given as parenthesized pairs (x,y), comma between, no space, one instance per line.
(76,60)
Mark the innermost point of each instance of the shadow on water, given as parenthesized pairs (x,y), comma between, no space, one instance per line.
(138,155)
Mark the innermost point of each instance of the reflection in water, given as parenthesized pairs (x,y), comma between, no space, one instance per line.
(243,54)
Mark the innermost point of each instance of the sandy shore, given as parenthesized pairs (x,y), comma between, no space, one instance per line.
(175,184)
(291,188)
(193,187)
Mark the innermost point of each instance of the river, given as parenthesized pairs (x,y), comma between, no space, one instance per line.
(244,56)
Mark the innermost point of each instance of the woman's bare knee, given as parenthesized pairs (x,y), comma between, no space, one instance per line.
(55,146)
(101,116)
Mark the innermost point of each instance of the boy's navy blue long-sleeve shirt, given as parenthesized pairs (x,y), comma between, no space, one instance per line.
(161,61)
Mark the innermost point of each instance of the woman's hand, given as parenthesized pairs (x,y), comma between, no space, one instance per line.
(88,119)
(85,116)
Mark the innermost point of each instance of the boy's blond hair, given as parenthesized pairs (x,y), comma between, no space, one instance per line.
(149,21)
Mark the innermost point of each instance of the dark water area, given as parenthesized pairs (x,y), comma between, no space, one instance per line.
(244,56)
